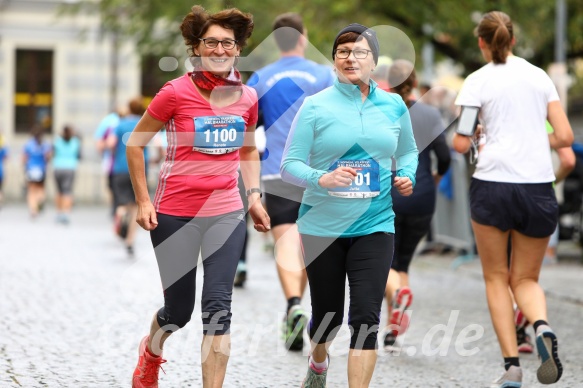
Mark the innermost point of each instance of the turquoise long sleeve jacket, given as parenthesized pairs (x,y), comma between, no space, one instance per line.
(334,125)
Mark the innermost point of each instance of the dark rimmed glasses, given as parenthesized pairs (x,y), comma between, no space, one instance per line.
(212,43)
(358,53)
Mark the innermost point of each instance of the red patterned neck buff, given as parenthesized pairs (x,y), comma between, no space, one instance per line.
(208,81)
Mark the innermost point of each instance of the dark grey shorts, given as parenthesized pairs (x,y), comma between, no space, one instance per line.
(123,190)
(65,179)
(529,208)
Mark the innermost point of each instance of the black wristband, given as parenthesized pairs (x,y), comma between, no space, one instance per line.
(254,190)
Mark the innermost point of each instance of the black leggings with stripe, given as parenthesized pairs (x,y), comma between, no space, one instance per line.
(177,243)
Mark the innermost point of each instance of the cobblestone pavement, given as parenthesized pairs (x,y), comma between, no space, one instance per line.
(74,308)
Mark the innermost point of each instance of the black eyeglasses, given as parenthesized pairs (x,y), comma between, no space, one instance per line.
(228,44)
(358,53)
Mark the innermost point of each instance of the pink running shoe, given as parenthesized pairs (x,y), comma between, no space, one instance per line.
(524,342)
(520,320)
(146,372)
(401,302)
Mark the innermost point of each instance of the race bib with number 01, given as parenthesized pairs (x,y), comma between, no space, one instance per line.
(218,134)
(367,181)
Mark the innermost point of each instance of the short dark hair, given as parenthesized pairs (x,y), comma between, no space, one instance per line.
(37,131)
(348,37)
(286,38)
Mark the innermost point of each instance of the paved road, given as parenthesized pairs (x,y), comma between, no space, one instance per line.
(74,308)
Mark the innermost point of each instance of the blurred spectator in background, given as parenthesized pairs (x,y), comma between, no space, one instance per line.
(37,154)
(381,73)
(423,88)
(66,155)
(104,129)
(123,191)
(413,213)
(3,156)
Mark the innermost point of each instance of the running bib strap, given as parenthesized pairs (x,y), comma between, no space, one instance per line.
(365,185)
(218,134)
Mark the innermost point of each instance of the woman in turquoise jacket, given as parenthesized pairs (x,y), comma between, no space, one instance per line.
(341,149)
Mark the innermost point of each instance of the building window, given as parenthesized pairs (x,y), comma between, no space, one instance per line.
(153,78)
(33,98)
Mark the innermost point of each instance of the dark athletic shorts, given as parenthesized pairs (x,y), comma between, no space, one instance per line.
(282,201)
(65,179)
(123,190)
(529,208)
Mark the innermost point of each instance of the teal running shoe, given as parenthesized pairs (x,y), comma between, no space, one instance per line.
(550,370)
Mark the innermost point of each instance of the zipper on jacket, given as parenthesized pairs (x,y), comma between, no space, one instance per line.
(359,110)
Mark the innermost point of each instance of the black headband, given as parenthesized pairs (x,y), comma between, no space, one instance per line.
(366,32)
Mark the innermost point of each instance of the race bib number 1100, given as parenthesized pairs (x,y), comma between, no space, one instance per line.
(218,134)
(367,181)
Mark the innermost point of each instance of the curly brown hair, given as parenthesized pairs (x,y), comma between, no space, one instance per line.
(196,23)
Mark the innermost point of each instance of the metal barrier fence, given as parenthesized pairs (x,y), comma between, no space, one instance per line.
(451,222)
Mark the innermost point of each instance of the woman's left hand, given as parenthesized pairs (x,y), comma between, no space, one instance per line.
(261,221)
(403,185)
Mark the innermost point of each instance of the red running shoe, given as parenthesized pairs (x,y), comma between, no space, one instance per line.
(520,320)
(524,342)
(146,373)
(401,302)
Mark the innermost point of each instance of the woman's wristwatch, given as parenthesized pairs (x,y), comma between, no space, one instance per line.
(254,190)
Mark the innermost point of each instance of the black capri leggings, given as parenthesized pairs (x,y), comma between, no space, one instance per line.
(177,242)
(366,261)
(409,230)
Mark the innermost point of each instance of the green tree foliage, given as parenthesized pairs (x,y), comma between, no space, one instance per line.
(448,24)
(452,23)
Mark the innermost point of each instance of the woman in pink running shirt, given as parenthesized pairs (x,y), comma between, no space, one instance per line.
(210,119)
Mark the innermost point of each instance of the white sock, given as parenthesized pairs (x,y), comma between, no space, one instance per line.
(319,365)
